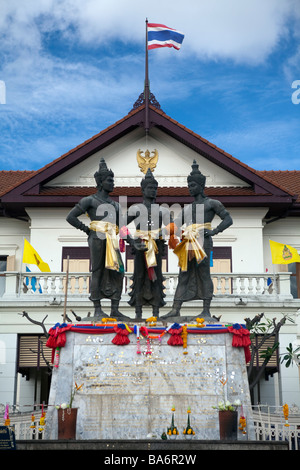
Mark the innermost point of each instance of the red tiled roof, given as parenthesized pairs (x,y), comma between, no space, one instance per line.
(284,180)
(169,119)
(10,179)
(287,179)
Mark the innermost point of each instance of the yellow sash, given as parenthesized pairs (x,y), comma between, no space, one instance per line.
(151,247)
(190,246)
(112,259)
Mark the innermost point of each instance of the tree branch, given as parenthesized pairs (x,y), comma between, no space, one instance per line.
(41,324)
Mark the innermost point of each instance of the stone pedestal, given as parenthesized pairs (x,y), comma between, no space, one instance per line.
(126,395)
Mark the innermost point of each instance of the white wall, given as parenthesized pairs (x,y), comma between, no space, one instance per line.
(8,356)
(12,234)
(289,376)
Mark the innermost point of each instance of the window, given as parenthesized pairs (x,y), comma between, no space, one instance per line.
(79,262)
(222,263)
(3,267)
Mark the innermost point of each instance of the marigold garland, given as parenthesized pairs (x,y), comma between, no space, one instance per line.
(184,335)
(243,424)
(32,421)
(285,409)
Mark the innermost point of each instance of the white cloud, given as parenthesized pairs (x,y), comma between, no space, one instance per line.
(49,90)
(245,32)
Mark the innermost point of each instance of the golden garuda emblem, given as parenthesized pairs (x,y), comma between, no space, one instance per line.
(147,161)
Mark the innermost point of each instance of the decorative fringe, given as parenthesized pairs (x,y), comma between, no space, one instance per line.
(241,339)
(121,337)
(57,338)
(175,332)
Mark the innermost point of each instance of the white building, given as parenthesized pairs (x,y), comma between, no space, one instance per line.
(34,205)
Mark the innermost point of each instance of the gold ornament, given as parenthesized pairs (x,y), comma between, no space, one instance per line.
(146,161)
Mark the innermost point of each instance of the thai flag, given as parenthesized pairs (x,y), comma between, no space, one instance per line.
(160,35)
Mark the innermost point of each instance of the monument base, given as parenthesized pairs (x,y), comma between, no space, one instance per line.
(138,381)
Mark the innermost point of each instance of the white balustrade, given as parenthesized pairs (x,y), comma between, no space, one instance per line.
(225,284)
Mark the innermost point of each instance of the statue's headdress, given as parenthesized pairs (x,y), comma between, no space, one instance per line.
(102,173)
(196,175)
(149,178)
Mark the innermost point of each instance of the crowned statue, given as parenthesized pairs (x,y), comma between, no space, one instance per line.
(107,270)
(149,218)
(194,251)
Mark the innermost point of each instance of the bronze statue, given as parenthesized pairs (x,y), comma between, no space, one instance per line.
(106,217)
(194,251)
(149,218)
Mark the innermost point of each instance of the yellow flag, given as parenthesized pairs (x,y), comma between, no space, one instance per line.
(30,256)
(283,254)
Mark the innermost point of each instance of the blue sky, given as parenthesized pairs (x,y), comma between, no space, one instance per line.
(69,69)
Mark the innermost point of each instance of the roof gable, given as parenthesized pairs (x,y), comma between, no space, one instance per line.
(32,189)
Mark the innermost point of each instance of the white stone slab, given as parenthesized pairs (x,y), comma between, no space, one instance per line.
(126,395)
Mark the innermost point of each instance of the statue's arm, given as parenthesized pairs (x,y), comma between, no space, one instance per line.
(225,217)
(73,215)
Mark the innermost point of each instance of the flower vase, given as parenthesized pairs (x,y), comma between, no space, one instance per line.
(67,419)
(228,423)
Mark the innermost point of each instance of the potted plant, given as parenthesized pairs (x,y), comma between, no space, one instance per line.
(228,419)
(67,417)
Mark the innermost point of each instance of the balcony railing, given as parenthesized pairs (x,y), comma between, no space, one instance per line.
(225,284)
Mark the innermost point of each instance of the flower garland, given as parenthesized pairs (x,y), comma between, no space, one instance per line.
(6,416)
(42,420)
(184,335)
(242,424)
(285,409)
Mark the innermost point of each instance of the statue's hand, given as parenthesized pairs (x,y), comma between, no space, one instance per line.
(139,245)
(210,233)
(86,229)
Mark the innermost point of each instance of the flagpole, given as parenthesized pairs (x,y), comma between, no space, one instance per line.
(66,291)
(21,269)
(146,91)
